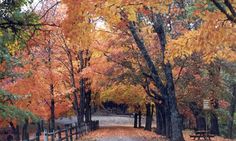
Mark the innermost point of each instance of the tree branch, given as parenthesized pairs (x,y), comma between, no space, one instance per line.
(49,9)
(223,10)
(229,5)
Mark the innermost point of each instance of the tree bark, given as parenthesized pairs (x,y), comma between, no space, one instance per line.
(214,124)
(51,88)
(88,107)
(16,131)
(199,116)
(82,100)
(135,120)
(167,113)
(139,119)
(200,122)
(52,108)
(148,124)
(160,119)
(72,79)
(231,112)
(176,122)
(25,132)
(168,91)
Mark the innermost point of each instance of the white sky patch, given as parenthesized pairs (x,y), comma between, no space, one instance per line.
(100,24)
(36,4)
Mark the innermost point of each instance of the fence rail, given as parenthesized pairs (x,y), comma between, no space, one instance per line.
(69,133)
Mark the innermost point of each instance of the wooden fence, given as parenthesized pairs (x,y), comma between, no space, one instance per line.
(69,133)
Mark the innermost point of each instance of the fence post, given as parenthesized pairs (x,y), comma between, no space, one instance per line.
(45,135)
(42,125)
(89,128)
(38,134)
(86,128)
(66,133)
(71,135)
(76,131)
(93,125)
(52,135)
(39,128)
(59,133)
(17,133)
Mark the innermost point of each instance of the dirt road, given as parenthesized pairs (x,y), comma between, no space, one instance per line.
(117,133)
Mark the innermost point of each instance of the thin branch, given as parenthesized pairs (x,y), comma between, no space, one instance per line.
(46,101)
(49,9)
(180,71)
(67,67)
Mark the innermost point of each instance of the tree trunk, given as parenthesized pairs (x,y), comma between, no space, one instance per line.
(160,119)
(135,120)
(231,112)
(82,86)
(170,100)
(167,116)
(72,80)
(82,100)
(51,89)
(167,91)
(42,125)
(88,107)
(200,122)
(73,85)
(25,132)
(148,124)
(52,108)
(214,125)
(199,116)
(139,119)
(16,131)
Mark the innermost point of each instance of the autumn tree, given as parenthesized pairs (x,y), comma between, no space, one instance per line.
(12,39)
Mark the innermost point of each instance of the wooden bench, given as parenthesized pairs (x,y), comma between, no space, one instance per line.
(199,136)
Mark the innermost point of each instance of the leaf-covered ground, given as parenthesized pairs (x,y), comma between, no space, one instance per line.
(119,133)
(119,128)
